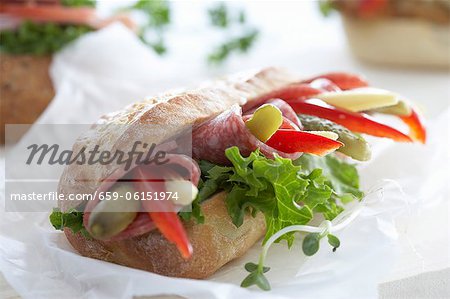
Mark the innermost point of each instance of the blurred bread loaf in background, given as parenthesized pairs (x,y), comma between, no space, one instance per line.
(397,32)
(25,88)
(402,42)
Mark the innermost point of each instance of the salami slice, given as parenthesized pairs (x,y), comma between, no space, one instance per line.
(212,138)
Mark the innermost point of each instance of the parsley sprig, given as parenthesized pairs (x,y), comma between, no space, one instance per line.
(48,38)
(157,18)
(225,20)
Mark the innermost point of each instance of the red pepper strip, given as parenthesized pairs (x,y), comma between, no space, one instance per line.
(168,223)
(344,81)
(416,127)
(370,8)
(357,122)
(288,124)
(51,13)
(291,141)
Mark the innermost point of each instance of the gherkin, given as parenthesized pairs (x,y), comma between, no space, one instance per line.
(355,146)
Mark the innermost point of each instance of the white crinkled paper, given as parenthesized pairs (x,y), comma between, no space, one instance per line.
(402,181)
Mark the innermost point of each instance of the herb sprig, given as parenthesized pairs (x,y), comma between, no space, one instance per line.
(72,219)
(326,7)
(47,38)
(310,246)
(158,18)
(225,19)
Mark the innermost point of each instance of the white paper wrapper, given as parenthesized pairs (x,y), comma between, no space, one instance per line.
(39,262)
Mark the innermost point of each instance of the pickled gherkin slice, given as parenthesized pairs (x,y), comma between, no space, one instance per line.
(110,217)
(355,146)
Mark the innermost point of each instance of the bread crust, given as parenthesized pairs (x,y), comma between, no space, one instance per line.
(25,88)
(215,243)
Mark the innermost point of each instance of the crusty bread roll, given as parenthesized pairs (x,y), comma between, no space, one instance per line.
(25,89)
(217,241)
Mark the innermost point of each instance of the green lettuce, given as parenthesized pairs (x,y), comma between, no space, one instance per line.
(79,3)
(39,39)
(342,176)
(72,220)
(287,192)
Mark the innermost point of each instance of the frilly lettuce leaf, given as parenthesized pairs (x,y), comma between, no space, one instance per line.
(286,192)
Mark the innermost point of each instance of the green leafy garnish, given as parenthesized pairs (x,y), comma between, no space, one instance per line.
(158,17)
(326,7)
(333,241)
(250,267)
(207,188)
(230,21)
(342,176)
(311,243)
(39,39)
(240,44)
(79,3)
(195,212)
(256,277)
(221,16)
(71,219)
(158,11)
(218,15)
